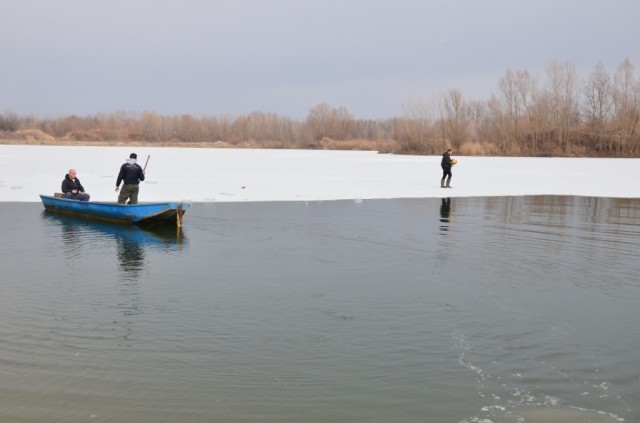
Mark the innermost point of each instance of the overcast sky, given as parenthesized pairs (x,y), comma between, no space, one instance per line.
(212,57)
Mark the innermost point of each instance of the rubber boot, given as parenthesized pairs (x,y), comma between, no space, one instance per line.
(442,183)
(448,186)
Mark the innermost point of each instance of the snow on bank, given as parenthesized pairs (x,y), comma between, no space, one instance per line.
(236,175)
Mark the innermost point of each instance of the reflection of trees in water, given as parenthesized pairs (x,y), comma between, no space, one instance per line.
(624,211)
(559,210)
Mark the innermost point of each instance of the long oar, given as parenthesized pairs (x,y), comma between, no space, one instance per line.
(144,169)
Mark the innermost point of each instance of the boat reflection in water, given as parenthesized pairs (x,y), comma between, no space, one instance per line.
(81,237)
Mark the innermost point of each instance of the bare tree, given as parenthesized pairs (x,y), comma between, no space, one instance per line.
(562,99)
(456,117)
(151,126)
(415,131)
(527,89)
(598,105)
(511,100)
(492,124)
(627,105)
(319,121)
(9,121)
(325,121)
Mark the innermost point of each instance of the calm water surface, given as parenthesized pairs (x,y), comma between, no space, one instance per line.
(517,309)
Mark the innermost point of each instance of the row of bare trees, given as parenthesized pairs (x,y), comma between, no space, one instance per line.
(563,115)
(559,114)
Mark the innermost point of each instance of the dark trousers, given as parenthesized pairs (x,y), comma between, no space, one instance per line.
(79,196)
(129,192)
(446,171)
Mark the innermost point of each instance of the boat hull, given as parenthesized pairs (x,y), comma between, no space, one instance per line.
(170,212)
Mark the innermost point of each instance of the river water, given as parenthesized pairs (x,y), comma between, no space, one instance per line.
(504,309)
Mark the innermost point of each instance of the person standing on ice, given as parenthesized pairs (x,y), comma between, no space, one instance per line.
(131,174)
(446,164)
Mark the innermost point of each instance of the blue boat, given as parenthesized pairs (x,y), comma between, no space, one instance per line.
(171,212)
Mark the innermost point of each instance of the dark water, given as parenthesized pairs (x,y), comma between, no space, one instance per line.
(520,309)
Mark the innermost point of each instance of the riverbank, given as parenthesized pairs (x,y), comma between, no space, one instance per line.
(71,143)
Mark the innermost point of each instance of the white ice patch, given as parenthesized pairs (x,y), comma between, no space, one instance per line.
(284,175)
(494,407)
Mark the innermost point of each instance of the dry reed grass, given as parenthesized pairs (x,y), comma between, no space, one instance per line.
(76,139)
(477,149)
(29,135)
(385,146)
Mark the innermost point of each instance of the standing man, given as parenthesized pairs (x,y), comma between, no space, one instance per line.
(72,188)
(131,173)
(446,164)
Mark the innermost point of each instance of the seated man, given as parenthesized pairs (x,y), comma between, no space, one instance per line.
(72,188)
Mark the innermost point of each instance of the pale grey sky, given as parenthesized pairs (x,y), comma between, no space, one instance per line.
(211,57)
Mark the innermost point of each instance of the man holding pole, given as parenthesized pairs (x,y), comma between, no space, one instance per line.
(131,173)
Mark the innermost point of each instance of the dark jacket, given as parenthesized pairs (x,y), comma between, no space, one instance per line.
(446,161)
(69,184)
(131,173)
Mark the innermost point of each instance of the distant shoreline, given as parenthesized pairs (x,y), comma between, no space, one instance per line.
(66,143)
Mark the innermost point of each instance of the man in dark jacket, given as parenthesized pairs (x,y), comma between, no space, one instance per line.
(131,173)
(72,188)
(446,164)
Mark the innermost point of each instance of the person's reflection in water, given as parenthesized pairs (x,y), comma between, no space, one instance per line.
(445,213)
(72,241)
(131,257)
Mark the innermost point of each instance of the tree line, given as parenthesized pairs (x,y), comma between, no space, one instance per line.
(559,114)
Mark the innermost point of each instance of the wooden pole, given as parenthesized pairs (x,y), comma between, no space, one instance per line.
(144,169)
